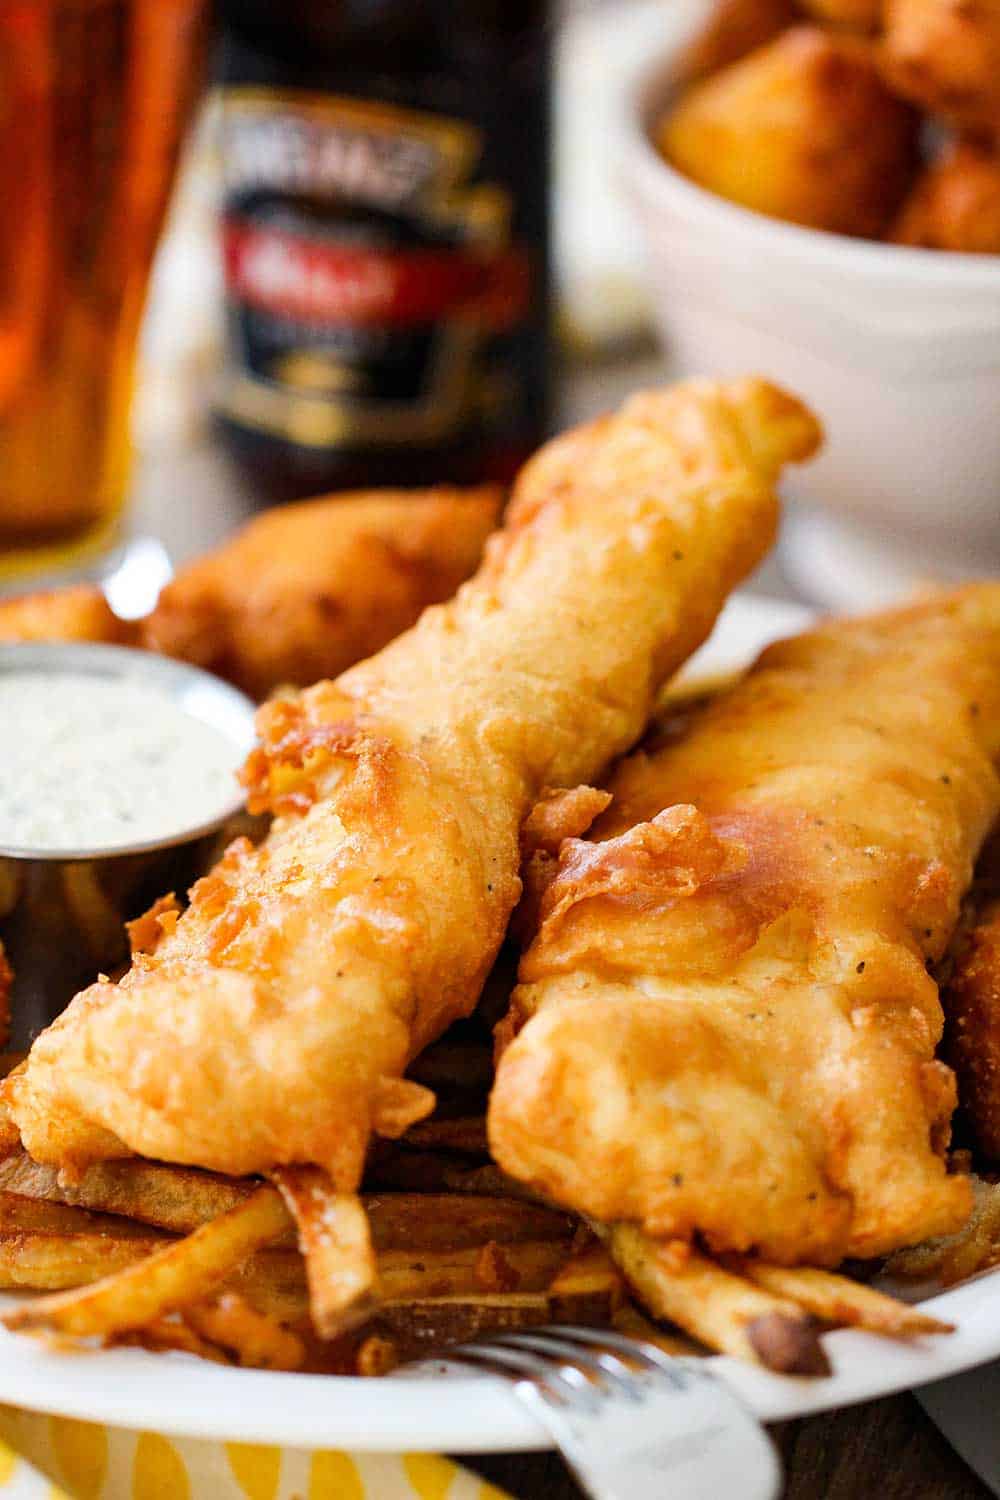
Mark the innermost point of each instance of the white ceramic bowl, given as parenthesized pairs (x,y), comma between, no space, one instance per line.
(898,350)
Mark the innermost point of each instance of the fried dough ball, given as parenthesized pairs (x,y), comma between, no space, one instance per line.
(945,55)
(856,15)
(734,28)
(803,129)
(955,203)
(304,591)
(79,613)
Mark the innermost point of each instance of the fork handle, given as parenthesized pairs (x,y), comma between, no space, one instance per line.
(702,1444)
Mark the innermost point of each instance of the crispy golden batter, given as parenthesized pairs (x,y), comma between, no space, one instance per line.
(726,1025)
(971,999)
(274,1022)
(955,203)
(306,590)
(803,129)
(945,56)
(734,28)
(80,613)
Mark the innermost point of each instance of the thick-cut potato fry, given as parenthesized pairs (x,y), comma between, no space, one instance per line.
(588,1280)
(39,1216)
(719,1309)
(80,613)
(527,1266)
(422,1325)
(734,28)
(955,203)
(306,590)
(837,1299)
(803,129)
(336,1244)
(445,1221)
(176,1198)
(945,56)
(257,1341)
(181,1199)
(176,1275)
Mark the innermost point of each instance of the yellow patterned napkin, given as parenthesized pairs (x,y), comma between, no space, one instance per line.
(59,1458)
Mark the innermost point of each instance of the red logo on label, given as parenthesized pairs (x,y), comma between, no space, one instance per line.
(295,277)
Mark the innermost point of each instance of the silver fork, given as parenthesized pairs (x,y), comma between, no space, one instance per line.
(631,1421)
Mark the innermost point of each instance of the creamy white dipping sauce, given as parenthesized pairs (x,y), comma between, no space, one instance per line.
(92,762)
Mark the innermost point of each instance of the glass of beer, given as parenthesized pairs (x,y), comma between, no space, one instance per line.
(94,95)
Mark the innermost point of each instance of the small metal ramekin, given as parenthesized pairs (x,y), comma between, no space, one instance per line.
(62,914)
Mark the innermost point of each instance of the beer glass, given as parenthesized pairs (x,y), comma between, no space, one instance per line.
(94,95)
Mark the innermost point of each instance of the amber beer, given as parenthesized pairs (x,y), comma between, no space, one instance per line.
(93,96)
(385,241)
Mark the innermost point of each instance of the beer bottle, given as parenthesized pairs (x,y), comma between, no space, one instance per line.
(384,238)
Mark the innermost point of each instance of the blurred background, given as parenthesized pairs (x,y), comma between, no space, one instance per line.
(254,252)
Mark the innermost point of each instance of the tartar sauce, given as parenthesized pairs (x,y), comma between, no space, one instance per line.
(90,762)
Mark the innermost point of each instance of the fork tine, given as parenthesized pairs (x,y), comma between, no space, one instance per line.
(607,1366)
(567,1384)
(636,1349)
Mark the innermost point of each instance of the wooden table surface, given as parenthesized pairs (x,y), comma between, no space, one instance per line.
(889,1450)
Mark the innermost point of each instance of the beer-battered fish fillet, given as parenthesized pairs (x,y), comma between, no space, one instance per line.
(80,613)
(304,591)
(725,1025)
(276,1016)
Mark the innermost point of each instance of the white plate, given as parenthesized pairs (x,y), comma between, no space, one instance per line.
(459,1413)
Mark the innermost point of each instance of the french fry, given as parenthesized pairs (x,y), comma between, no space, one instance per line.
(336,1243)
(257,1341)
(273,1280)
(173,1335)
(719,1309)
(55,1263)
(377,1356)
(837,1299)
(173,1277)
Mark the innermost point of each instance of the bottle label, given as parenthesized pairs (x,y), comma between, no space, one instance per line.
(367,275)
